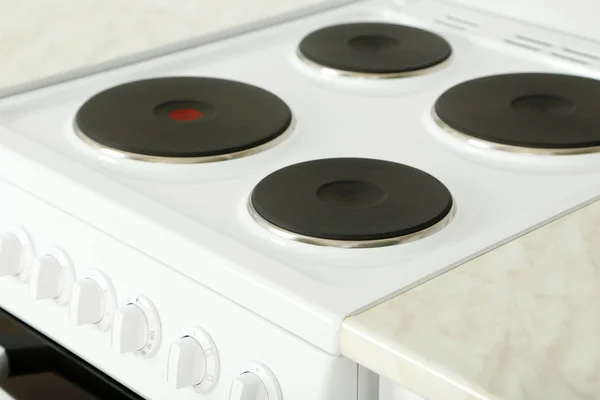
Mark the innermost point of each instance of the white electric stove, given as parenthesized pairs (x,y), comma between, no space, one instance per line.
(198,225)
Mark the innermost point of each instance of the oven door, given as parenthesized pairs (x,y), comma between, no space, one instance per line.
(33,367)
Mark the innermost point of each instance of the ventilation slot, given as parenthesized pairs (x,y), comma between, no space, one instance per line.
(457,23)
(462,21)
(528,46)
(571,58)
(581,54)
(564,53)
(532,41)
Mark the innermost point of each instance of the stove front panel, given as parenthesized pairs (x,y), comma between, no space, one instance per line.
(241,338)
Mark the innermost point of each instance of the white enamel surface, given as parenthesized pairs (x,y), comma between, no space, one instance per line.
(576,16)
(389,390)
(180,302)
(201,228)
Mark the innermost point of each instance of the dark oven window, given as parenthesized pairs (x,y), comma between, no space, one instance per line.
(40,369)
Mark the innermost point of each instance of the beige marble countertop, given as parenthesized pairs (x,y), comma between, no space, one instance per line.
(521,322)
(44,38)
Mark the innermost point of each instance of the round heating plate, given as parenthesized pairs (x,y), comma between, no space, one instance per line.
(373,50)
(183,120)
(535,113)
(351,203)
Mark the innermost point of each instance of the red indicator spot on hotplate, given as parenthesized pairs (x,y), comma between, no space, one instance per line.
(185,114)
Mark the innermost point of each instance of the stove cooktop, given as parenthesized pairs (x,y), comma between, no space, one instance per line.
(314,168)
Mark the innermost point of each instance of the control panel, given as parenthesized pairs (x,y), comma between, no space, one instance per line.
(143,323)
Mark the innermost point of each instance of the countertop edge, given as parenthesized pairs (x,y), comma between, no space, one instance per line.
(515,323)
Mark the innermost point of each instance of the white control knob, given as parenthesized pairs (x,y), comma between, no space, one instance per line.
(87,306)
(93,301)
(46,278)
(187,363)
(255,381)
(130,329)
(248,386)
(10,254)
(136,327)
(193,361)
(16,254)
(52,277)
